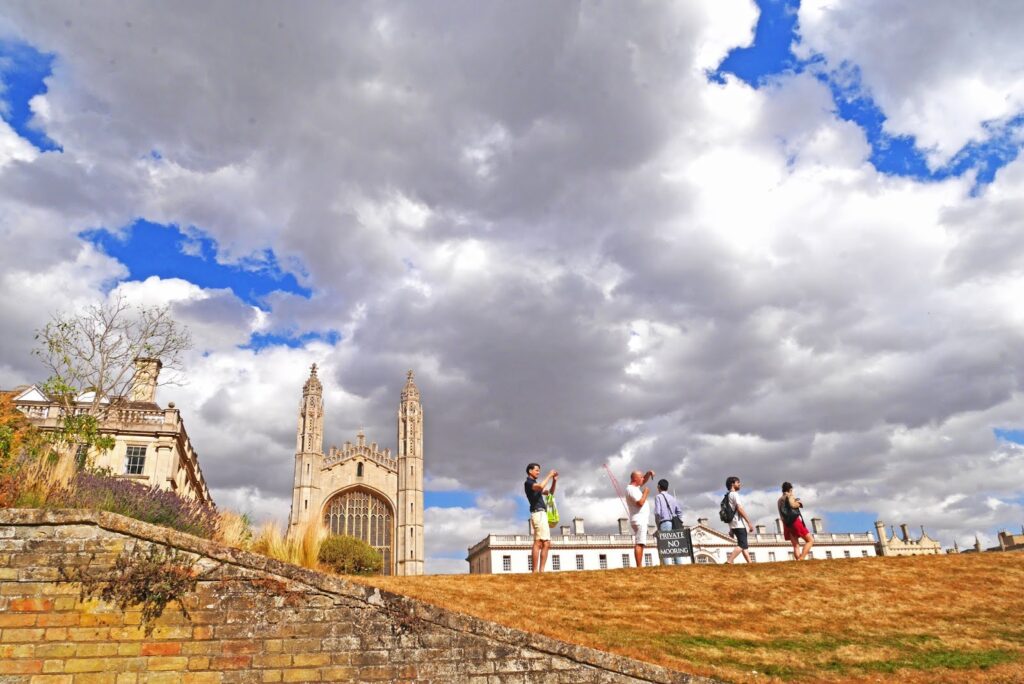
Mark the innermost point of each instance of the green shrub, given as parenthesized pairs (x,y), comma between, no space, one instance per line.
(349,556)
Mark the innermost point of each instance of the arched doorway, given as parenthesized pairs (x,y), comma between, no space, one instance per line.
(364,515)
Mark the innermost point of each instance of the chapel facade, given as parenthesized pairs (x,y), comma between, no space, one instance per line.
(362,490)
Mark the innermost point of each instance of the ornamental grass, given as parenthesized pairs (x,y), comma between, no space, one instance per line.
(951,618)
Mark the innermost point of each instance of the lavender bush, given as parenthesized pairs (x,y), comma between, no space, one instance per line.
(95,490)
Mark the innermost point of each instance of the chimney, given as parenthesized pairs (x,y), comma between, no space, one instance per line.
(817,526)
(144,381)
(577,526)
(566,530)
(702,521)
(760,529)
(624,526)
(905,531)
(778,526)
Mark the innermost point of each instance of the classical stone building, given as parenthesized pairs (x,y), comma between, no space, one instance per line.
(151,445)
(891,545)
(361,490)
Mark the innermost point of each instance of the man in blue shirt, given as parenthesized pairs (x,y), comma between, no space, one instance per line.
(665,508)
(535,492)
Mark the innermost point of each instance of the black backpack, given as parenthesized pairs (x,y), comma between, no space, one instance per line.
(787,512)
(725,510)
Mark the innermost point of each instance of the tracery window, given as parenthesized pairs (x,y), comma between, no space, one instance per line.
(365,516)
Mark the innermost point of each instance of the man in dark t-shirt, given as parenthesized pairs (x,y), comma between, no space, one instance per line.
(535,492)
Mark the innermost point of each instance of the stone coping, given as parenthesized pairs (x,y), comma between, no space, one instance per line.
(409,608)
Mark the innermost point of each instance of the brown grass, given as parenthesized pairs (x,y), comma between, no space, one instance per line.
(957,618)
(301,546)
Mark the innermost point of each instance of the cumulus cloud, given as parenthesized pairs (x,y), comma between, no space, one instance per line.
(588,251)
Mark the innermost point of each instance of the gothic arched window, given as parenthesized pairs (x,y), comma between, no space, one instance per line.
(363,515)
(359,469)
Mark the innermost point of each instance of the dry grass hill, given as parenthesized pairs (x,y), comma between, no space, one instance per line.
(957,618)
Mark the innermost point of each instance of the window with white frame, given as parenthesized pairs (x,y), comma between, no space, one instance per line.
(579,561)
(791,556)
(625,560)
(529,563)
(753,557)
(602,561)
(828,555)
(556,562)
(771,555)
(135,460)
(647,560)
(864,553)
(506,563)
(847,554)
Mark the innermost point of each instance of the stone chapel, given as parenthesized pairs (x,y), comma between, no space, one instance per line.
(359,489)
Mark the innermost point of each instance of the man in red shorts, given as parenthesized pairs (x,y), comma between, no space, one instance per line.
(793,522)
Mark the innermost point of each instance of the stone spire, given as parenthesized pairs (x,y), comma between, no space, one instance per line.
(410,392)
(309,449)
(409,530)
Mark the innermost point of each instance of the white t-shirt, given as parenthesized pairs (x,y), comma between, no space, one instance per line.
(737,522)
(637,514)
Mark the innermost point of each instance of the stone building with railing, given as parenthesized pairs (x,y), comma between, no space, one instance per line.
(151,444)
(573,549)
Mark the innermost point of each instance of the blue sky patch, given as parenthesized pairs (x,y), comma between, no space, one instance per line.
(1015,436)
(457,498)
(771,55)
(259,341)
(150,249)
(847,521)
(22,71)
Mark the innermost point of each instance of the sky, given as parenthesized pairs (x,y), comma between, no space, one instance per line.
(779,240)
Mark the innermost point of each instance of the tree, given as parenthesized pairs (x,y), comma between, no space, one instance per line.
(106,350)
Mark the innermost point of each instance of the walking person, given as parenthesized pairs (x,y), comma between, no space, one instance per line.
(793,525)
(535,492)
(666,512)
(639,511)
(737,530)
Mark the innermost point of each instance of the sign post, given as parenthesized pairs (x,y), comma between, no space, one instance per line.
(675,544)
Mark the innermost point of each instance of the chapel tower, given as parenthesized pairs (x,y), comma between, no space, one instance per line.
(309,451)
(409,551)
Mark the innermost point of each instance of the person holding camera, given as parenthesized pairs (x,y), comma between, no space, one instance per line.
(793,525)
(535,492)
(669,516)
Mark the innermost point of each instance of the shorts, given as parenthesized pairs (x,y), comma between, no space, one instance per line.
(740,535)
(539,522)
(639,534)
(795,531)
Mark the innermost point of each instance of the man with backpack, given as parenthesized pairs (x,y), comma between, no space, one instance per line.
(669,516)
(793,522)
(731,512)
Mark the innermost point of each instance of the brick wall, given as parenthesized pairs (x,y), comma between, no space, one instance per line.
(251,619)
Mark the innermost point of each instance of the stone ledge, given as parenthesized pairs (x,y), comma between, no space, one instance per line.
(381,600)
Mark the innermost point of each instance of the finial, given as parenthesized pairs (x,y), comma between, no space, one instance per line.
(409,375)
(312,369)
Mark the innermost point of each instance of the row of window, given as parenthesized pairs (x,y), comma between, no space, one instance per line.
(134,460)
(602,560)
(556,562)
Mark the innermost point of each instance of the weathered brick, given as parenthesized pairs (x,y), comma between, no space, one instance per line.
(301,675)
(53,650)
(57,619)
(53,666)
(52,679)
(157,663)
(96,678)
(199,663)
(17,650)
(239,647)
(160,648)
(271,675)
(201,678)
(18,620)
(21,666)
(13,636)
(30,604)
(272,660)
(311,659)
(89,664)
(230,662)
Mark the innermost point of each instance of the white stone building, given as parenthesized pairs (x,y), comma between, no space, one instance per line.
(572,549)
(361,490)
(151,445)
